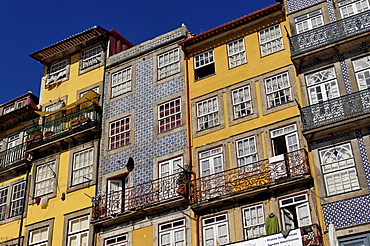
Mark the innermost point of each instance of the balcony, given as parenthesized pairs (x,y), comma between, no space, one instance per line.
(336,110)
(330,33)
(233,182)
(12,155)
(81,119)
(139,197)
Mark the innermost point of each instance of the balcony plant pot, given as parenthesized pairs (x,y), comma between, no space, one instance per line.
(75,123)
(37,136)
(48,133)
(85,120)
(30,139)
(181,191)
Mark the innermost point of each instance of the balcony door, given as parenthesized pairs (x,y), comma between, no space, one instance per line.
(295,212)
(211,166)
(11,151)
(115,196)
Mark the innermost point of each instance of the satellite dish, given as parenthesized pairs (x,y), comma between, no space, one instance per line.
(130,164)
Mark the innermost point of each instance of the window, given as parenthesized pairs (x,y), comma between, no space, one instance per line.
(39,237)
(309,21)
(362,72)
(120,240)
(207,113)
(278,90)
(295,212)
(338,167)
(254,221)
(236,53)
(8,109)
(215,230)
(169,115)
(12,200)
(119,133)
(242,103)
(357,240)
(246,151)
(45,179)
(20,104)
(351,7)
(3,202)
(170,167)
(58,71)
(168,64)
(211,161)
(204,64)
(285,139)
(115,194)
(172,233)
(78,231)
(270,40)
(322,85)
(95,89)
(82,166)
(121,82)
(91,57)
(54,106)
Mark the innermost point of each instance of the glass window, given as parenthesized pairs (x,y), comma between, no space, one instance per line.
(121,82)
(207,113)
(285,139)
(91,57)
(309,21)
(362,71)
(211,161)
(120,240)
(168,64)
(351,7)
(339,169)
(236,53)
(78,231)
(215,230)
(58,71)
(3,202)
(169,115)
(278,90)
(270,40)
(246,151)
(170,167)
(295,212)
(45,179)
(39,237)
(204,64)
(119,134)
(82,166)
(17,197)
(254,221)
(172,233)
(242,103)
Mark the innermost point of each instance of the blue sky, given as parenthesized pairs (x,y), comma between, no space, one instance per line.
(28,26)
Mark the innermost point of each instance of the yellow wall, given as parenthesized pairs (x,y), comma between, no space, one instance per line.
(142,236)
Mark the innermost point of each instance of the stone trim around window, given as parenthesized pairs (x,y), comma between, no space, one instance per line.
(76,215)
(46,223)
(93,61)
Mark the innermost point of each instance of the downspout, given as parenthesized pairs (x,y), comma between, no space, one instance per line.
(190,145)
(24,203)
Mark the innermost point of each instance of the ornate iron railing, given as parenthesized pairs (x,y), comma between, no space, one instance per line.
(12,155)
(330,33)
(336,110)
(250,176)
(66,120)
(311,235)
(136,197)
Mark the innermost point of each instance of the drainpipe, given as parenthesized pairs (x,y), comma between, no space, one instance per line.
(24,203)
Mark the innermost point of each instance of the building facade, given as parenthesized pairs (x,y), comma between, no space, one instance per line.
(253,174)
(329,44)
(65,143)
(144,147)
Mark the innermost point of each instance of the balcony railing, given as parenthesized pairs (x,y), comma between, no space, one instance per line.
(156,191)
(330,33)
(12,155)
(249,176)
(336,110)
(66,120)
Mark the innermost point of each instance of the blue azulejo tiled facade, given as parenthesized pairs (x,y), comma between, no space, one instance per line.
(140,103)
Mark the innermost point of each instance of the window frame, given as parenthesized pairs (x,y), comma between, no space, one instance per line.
(251,226)
(8,202)
(171,231)
(175,114)
(207,58)
(59,75)
(171,169)
(309,17)
(264,43)
(351,3)
(170,64)
(49,223)
(255,152)
(297,204)
(124,241)
(52,179)
(128,81)
(362,70)
(214,227)
(74,215)
(288,96)
(126,132)
(80,232)
(99,56)
(215,113)
(240,54)
(247,100)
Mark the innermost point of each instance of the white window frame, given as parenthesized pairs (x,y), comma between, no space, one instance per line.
(309,21)
(202,60)
(210,156)
(91,57)
(95,89)
(171,116)
(246,150)
(322,85)
(349,8)
(171,230)
(207,113)
(361,67)
(121,82)
(170,167)
(45,181)
(42,238)
(58,70)
(236,53)
(287,131)
(299,202)
(213,224)
(278,90)
(168,63)
(4,194)
(82,168)
(17,198)
(270,40)
(340,173)
(254,221)
(242,101)
(79,233)
(126,133)
(8,109)
(120,240)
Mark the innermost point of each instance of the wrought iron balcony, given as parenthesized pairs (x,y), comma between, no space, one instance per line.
(66,120)
(243,178)
(139,196)
(12,155)
(330,33)
(336,110)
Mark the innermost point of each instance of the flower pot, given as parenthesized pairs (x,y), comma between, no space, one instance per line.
(49,133)
(85,120)
(29,139)
(38,136)
(75,123)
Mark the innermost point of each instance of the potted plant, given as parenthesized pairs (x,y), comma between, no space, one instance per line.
(75,123)
(48,133)
(182,181)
